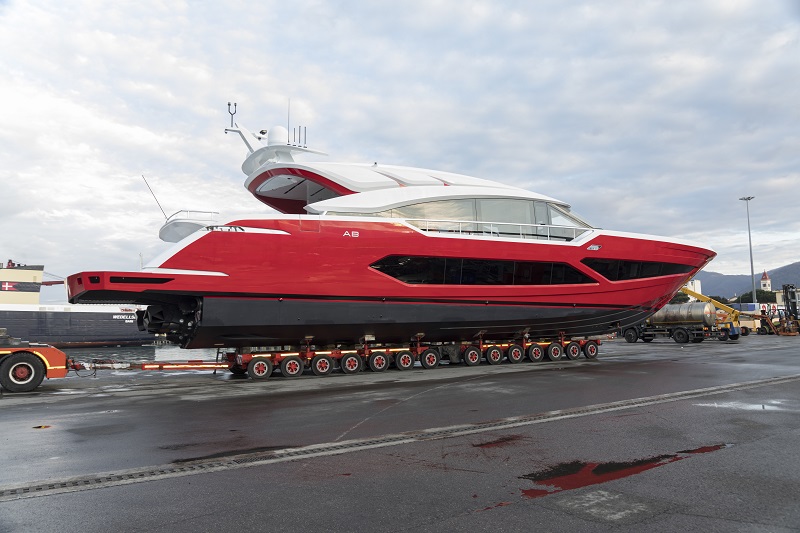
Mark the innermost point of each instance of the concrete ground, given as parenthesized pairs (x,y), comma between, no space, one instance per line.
(649,437)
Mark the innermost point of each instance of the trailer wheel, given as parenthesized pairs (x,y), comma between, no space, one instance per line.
(350,363)
(472,356)
(259,368)
(429,358)
(591,349)
(515,353)
(21,372)
(292,367)
(554,351)
(680,335)
(745,331)
(734,336)
(494,355)
(378,362)
(572,350)
(535,353)
(723,334)
(631,335)
(322,365)
(404,360)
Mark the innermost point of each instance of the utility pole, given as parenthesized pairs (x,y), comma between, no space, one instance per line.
(746,200)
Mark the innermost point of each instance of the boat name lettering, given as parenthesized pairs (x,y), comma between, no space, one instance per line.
(350,234)
(124,317)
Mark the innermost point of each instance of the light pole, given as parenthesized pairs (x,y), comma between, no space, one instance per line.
(746,200)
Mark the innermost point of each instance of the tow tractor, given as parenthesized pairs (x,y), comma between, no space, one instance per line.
(24,365)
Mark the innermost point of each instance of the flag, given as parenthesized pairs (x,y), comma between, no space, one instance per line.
(19,286)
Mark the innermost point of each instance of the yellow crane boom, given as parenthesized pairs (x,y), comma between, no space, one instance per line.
(732,325)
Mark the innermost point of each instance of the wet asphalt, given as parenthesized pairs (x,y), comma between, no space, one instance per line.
(711,444)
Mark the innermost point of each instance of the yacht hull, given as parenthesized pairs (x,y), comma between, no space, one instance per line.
(283,279)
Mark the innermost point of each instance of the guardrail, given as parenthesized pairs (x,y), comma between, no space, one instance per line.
(209,216)
(500,229)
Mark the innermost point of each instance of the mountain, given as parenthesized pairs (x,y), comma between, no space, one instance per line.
(716,284)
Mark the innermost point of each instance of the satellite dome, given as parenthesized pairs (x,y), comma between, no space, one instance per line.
(277,135)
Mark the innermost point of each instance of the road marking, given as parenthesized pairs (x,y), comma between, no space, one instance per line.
(51,487)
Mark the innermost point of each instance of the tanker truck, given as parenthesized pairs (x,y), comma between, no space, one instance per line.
(689,322)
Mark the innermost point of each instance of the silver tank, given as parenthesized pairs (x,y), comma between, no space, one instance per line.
(691,313)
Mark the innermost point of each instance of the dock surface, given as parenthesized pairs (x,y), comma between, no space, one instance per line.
(648,437)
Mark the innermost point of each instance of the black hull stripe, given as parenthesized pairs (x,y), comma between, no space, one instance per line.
(446,301)
(271,322)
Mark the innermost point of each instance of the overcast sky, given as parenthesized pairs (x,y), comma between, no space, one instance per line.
(645,116)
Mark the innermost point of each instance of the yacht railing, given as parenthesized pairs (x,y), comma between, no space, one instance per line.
(500,229)
(207,216)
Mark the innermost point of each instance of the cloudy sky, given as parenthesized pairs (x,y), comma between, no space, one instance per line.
(645,116)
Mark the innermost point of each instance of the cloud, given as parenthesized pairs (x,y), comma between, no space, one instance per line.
(653,117)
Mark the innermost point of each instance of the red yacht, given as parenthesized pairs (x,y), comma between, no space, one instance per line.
(390,253)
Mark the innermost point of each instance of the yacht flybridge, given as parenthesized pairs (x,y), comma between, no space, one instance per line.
(392,254)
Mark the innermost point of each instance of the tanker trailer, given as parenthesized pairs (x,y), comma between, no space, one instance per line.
(683,322)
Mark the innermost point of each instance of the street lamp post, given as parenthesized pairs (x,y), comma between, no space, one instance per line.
(746,200)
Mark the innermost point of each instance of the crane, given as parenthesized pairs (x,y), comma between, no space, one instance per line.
(729,327)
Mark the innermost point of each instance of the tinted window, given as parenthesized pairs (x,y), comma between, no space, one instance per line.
(441,210)
(415,270)
(456,271)
(620,270)
(505,210)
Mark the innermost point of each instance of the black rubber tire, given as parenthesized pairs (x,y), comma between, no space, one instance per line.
(535,353)
(680,335)
(237,370)
(21,372)
(292,367)
(515,354)
(378,361)
(745,331)
(723,334)
(734,337)
(472,356)
(322,365)
(350,363)
(404,360)
(429,359)
(494,355)
(259,368)
(572,350)
(555,351)
(631,335)
(591,349)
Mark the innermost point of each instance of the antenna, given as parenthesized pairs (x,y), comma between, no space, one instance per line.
(154,194)
(231,113)
(288,121)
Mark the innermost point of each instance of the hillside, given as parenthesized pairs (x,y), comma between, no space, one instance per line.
(716,284)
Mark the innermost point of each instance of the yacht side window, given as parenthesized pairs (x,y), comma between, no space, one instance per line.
(414,211)
(540,213)
(558,218)
(505,217)
(561,218)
